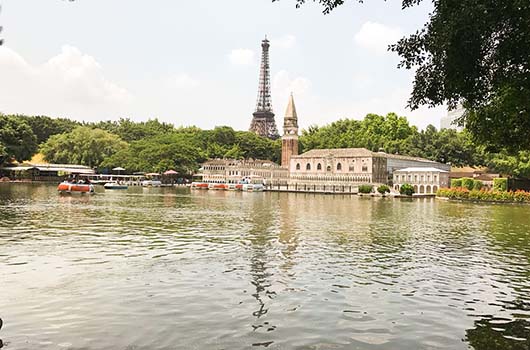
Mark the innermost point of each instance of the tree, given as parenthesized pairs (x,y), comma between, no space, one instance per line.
(476,53)
(406,190)
(16,139)
(159,153)
(83,145)
(383,189)
(43,127)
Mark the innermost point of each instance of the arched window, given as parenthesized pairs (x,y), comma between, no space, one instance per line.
(319,166)
(339,167)
(308,166)
(297,166)
(328,168)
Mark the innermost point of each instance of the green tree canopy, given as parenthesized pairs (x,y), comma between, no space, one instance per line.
(43,127)
(83,145)
(16,139)
(476,53)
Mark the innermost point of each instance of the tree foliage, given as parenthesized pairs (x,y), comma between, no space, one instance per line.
(393,134)
(476,53)
(83,145)
(406,190)
(17,140)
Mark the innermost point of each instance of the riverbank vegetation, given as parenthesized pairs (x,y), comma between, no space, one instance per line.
(484,195)
(155,146)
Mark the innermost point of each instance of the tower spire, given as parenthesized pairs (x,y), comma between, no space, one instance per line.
(263,122)
(290,133)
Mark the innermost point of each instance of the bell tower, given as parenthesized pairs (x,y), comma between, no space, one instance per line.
(290,133)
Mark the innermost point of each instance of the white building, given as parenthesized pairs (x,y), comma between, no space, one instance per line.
(424,180)
(450,120)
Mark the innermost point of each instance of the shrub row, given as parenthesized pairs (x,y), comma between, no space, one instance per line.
(483,195)
(365,188)
(467,183)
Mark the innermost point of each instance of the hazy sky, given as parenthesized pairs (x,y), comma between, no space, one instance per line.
(196,62)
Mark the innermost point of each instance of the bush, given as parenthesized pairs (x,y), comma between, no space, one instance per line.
(500,184)
(365,188)
(484,195)
(406,189)
(383,189)
(455,183)
(467,183)
(477,185)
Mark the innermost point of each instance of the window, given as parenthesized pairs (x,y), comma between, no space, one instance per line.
(319,166)
(328,168)
(365,168)
(308,166)
(298,166)
(339,167)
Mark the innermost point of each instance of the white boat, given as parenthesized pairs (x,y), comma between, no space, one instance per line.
(151,183)
(115,186)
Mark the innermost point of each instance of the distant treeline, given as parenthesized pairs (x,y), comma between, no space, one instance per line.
(157,146)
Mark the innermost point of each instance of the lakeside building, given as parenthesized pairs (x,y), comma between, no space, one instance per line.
(233,170)
(43,172)
(424,180)
(347,166)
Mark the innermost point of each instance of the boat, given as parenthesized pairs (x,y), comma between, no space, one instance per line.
(199,185)
(253,187)
(221,186)
(251,184)
(115,186)
(151,183)
(68,187)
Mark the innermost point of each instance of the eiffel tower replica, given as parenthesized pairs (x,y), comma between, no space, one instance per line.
(263,122)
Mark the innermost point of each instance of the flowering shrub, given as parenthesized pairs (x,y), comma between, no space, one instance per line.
(484,195)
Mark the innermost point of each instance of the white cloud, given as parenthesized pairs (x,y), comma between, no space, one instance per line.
(242,56)
(283,84)
(184,81)
(376,36)
(284,42)
(66,84)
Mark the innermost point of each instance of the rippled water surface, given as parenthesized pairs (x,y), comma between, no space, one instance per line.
(170,269)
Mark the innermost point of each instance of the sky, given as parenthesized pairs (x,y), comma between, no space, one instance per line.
(197,62)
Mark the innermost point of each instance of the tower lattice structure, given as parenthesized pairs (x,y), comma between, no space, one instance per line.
(263,122)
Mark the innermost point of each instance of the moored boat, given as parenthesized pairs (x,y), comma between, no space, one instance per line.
(115,186)
(220,186)
(67,187)
(199,185)
(151,183)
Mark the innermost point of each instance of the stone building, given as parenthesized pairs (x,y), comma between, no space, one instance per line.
(233,170)
(341,166)
(424,180)
(352,165)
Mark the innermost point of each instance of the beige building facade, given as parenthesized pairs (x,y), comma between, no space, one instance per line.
(424,180)
(232,171)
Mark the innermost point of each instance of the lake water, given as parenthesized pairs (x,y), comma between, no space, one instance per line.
(174,269)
